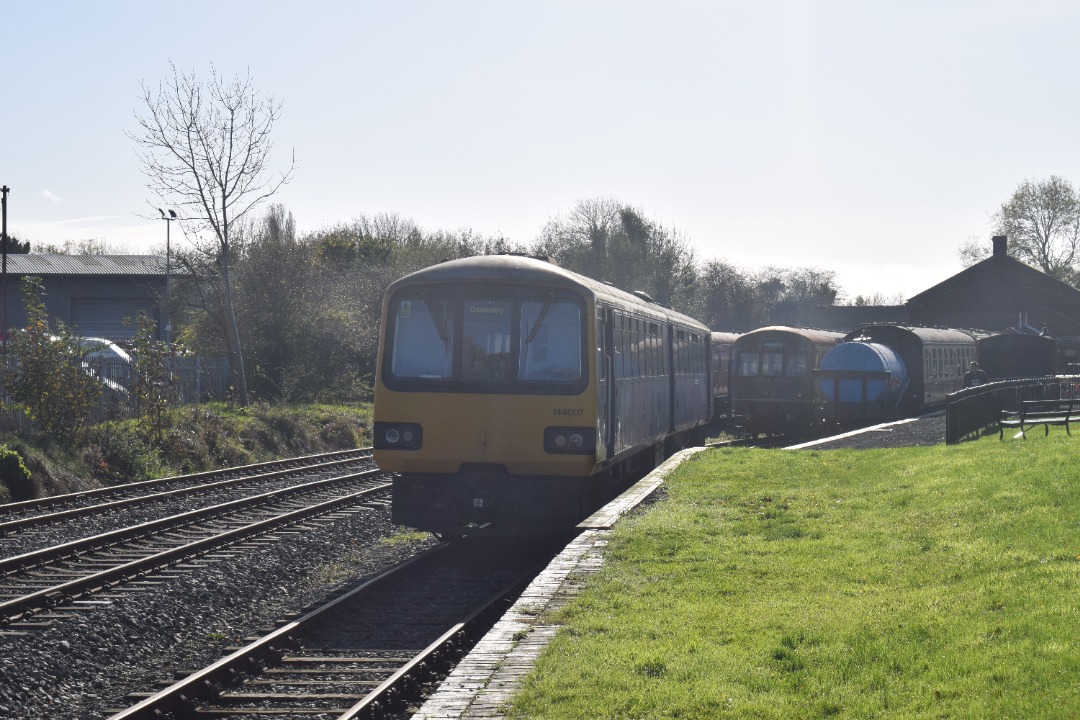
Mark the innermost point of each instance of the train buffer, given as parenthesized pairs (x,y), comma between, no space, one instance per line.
(1040,412)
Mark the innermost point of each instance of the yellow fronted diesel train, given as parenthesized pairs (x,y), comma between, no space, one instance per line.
(513,395)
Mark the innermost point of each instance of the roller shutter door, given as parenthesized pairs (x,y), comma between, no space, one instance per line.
(105,317)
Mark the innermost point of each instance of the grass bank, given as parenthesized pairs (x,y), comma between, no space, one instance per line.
(936,582)
(195,438)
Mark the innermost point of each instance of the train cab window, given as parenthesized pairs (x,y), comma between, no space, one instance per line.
(550,341)
(423,339)
(772,363)
(486,340)
(459,340)
(748,363)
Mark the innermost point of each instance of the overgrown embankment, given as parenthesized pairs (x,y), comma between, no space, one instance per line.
(195,438)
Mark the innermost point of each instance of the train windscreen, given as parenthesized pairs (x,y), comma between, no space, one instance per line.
(485,340)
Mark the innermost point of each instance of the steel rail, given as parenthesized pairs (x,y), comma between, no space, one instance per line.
(40,558)
(11,526)
(182,695)
(412,672)
(21,607)
(42,503)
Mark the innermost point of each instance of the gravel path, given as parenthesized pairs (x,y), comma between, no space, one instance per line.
(88,661)
(926,430)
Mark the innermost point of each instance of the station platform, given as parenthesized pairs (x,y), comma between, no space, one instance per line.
(483,683)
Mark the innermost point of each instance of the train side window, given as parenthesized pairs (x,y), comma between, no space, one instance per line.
(423,339)
(796,366)
(620,353)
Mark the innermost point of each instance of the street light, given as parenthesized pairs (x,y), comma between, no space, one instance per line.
(168,263)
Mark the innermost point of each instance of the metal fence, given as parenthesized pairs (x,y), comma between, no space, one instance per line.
(191,380)
(972,410)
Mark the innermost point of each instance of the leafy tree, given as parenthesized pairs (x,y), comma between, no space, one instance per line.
(50,382)
(275,280)
(973,250)
(87,246)
(738,300)
(728,297)
(152,380)
(205,148)
(13,245)
(1042,220)
(606,240)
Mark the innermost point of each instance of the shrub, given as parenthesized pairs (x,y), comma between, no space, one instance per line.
(15,475)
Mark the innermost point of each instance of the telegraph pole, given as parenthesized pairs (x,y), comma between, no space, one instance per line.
(3,270)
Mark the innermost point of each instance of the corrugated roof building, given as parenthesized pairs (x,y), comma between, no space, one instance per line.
(95,295)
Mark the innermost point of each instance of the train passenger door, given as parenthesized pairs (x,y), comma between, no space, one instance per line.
(605,374)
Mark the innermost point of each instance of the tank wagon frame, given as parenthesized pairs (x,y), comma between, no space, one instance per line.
(512,396)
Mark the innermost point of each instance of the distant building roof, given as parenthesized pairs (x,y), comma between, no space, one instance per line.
(33,264)
(997,293)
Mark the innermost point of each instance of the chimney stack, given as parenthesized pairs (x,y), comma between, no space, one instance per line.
(1001,245)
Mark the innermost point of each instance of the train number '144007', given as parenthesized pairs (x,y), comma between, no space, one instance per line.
(569,412)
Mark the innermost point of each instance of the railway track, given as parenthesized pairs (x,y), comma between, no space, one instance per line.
(367,653)
(35,585)
(21,516)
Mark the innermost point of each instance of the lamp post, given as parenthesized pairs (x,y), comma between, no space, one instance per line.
(168,268)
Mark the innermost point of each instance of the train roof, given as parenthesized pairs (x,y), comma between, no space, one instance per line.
(924,334)
(811,334)
(724,337)
(518,269)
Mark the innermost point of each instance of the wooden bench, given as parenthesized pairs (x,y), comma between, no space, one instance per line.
(1039,412)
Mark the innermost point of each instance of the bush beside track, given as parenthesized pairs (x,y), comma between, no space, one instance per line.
(198,437)
(905,582)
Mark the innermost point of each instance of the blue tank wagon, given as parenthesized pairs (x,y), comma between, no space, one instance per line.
(512,395)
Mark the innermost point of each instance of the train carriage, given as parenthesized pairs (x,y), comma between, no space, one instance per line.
(1017,355)
(722,349)
(885,371)
(511,394)
(772,387)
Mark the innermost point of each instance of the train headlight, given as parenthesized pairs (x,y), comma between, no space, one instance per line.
(570,441)
(398,436)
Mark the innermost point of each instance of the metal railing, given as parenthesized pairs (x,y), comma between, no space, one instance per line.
(972,410)
(191,380)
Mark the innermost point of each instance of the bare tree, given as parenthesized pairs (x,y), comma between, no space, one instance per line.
(205,149)
(1043,221)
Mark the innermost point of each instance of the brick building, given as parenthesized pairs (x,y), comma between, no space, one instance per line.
(1000,293)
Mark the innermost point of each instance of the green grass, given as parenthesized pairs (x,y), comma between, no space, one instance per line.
(935,582)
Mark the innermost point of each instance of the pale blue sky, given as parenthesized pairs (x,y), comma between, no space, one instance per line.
(864,137)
